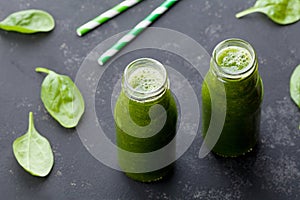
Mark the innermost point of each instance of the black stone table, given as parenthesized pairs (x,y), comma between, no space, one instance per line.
(271,171)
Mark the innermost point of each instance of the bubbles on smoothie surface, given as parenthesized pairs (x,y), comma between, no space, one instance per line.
(233,59)
(146,79)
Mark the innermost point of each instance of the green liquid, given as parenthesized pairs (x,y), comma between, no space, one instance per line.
(234,60)
(145,79)
(126,108)
(243,99)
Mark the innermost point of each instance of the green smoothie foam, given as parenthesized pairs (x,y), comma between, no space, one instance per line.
(145,79)
(233,60)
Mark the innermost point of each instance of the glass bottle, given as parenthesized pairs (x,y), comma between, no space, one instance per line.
(145,117)
(234,89)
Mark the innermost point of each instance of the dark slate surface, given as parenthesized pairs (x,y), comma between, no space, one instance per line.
(271,171)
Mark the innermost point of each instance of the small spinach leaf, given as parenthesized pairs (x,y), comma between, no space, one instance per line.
(295,86)
(33,151)
(280,11)
(61,98)
(28,21)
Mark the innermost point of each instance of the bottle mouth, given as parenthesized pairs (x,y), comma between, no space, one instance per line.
(238,44)
(145,79)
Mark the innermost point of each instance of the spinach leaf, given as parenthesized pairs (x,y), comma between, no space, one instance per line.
(33,151)
(295,86)
(61,98)
(280,11)
(28,21)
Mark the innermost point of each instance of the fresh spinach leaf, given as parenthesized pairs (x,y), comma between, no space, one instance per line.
(28,21)
(33,151)
(61,98)
(295,86)
(280,11)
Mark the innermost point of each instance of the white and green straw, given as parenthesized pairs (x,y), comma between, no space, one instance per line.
(139,28)
(104,17)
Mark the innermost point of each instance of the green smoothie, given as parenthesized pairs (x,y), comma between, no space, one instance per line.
(234,67)
(144,87)
(234,60)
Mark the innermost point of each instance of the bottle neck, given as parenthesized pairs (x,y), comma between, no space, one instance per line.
(145,80)
(234,60)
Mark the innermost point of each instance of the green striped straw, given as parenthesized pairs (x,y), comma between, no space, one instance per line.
(139,28)
(104,17)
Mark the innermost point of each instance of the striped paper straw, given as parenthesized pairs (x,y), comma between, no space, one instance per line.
(139,28)
(104,17)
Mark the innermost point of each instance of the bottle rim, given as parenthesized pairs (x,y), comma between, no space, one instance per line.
(231,42)
(138,95)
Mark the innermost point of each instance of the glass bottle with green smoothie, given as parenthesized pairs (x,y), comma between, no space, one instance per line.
(233,86)
(145,117)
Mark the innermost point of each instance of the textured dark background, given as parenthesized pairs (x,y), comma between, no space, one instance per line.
(271,171)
